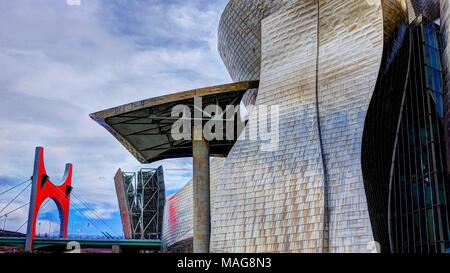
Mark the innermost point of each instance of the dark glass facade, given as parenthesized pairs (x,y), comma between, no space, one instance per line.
(418,216)
(380,131)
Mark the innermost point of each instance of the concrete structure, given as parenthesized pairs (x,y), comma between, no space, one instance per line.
(359,87)
(201,192)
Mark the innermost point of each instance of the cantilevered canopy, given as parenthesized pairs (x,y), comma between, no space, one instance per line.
(144,127)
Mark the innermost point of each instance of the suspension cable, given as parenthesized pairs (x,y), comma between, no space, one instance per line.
(26,221)
(82,213)
(62,194)
(15,197)
(76,208)
(18,185)
(16,209)
(93,211)
(87,218)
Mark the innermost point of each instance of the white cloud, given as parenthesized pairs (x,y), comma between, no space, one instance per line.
(47,228)
(58,63)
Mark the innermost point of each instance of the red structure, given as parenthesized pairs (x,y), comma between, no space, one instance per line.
(42,189)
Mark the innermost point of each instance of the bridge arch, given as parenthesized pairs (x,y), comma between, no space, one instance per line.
(50,219)
(43,189)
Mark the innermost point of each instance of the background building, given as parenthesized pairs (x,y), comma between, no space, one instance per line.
(141,197)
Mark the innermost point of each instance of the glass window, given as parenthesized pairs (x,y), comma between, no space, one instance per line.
(428,195)
(430,226)
(419,185)
(417,227)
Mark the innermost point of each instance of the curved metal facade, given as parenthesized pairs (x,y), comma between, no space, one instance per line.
(177,221)
(346,77)
(428,8)
(239,44)
(320,62)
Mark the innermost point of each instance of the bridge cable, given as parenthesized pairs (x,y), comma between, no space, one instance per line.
(16,209)
(93,211)
(18,185)
(15,197)
(26,221)
(90,209)
(81,211)
(76,208)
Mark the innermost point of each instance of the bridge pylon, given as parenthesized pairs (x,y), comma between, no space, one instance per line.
(42,189)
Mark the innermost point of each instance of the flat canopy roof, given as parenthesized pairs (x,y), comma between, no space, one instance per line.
(144,127)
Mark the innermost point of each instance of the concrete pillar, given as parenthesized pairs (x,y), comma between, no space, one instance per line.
(201,191)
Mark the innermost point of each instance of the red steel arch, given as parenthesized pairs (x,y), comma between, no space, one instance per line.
(42,189)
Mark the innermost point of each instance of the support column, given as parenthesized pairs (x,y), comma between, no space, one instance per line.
(201,191)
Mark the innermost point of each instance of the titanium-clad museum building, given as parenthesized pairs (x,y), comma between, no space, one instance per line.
(364,120)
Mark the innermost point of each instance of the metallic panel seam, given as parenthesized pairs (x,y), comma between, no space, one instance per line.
(326,213)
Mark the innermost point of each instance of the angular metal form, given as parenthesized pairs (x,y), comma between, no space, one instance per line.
(122,197)
(141,197)
(144,127)
(42,189)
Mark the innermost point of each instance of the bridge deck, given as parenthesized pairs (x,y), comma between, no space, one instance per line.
(85,243)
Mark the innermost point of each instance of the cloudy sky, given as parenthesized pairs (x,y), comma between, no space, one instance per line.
(60,62)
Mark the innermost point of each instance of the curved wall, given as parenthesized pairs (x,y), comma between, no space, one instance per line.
(319,62)
(239,39)
(429,8)
(382,121)
(260,205)
(239,36)
(178,221)
(350,56)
